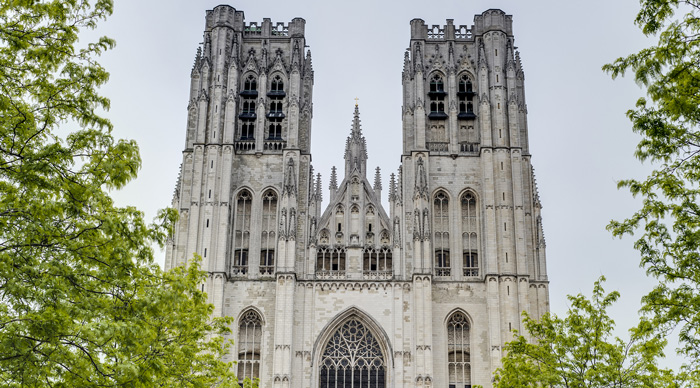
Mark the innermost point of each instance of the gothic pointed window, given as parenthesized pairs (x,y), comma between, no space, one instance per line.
(241,237)
(441,228)
(268,239)
(249,346)
(458,351)
(352,358)
(465,97)
(470,243)
(276,113)
(436,96)
(248,114)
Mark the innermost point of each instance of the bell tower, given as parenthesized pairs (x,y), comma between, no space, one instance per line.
(469,200)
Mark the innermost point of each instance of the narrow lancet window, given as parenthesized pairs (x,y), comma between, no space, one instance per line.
(441,226)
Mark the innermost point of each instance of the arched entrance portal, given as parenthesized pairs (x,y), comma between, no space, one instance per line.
(352,359)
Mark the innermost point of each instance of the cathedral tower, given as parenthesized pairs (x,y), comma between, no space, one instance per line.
(424,294)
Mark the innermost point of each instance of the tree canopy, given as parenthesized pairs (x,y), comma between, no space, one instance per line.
(668,223)
(581,351)
(82,302)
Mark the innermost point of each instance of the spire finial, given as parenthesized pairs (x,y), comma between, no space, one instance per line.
(356,100)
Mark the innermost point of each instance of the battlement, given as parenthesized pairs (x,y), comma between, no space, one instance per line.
(267,29)
(492,19)
(227,16)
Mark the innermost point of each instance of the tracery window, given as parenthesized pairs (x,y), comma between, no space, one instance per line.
(276,113)
(241,237)
(465,96)
(268,240)
(352,359)
(441,227)
(470,244)
(248,114)
(376,263)
(330,262)
(249,346)
(458,351)
(436,96)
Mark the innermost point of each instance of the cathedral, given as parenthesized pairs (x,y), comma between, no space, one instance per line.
(351,294)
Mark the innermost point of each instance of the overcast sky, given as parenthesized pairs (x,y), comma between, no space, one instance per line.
(580,140)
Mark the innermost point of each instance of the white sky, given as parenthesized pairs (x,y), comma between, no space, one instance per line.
(580,139)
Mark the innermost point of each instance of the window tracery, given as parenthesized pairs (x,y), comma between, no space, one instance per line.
(249,346)
(352,359)
(470,243)
(241,237)
(268,240)
(436,96)
(441,227)
(458,351)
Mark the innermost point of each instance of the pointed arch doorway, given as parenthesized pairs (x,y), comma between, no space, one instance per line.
(352,358)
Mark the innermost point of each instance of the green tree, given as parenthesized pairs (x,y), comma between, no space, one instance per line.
(580,350)
(82,303)
(668,223)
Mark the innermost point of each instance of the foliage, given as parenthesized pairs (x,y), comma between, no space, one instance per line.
(580,351)
(81,301)
(668,223)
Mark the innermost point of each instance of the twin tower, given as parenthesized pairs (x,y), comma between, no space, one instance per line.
(351,294)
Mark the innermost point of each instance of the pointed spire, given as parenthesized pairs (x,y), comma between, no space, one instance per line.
(535,191)
(197,58)
(407,64)
(450,58)
(312,184)
(482,56)
(377,179)
(399,185)
(334,179)
(421,187)
(296,60)
(519,66)
(392,187)
(290,182)
(319,188)
(308,66)
(356,147)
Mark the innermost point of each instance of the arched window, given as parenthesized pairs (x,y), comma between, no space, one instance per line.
(248,114)
(352,358)
(470,244)
(436,96)
(268,240)
(277,85)
(441,226)
(458,352)
(241,238)
(465,97)
(249,346)
(376,263)
(250,84)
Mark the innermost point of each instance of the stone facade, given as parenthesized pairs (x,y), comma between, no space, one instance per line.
(425,294)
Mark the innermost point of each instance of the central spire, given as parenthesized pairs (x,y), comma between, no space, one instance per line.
(356,148)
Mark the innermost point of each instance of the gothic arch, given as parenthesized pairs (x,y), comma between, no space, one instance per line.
(334,324)
(352,351)
(272,76)
(245,310)
(270,188)
(458,334)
